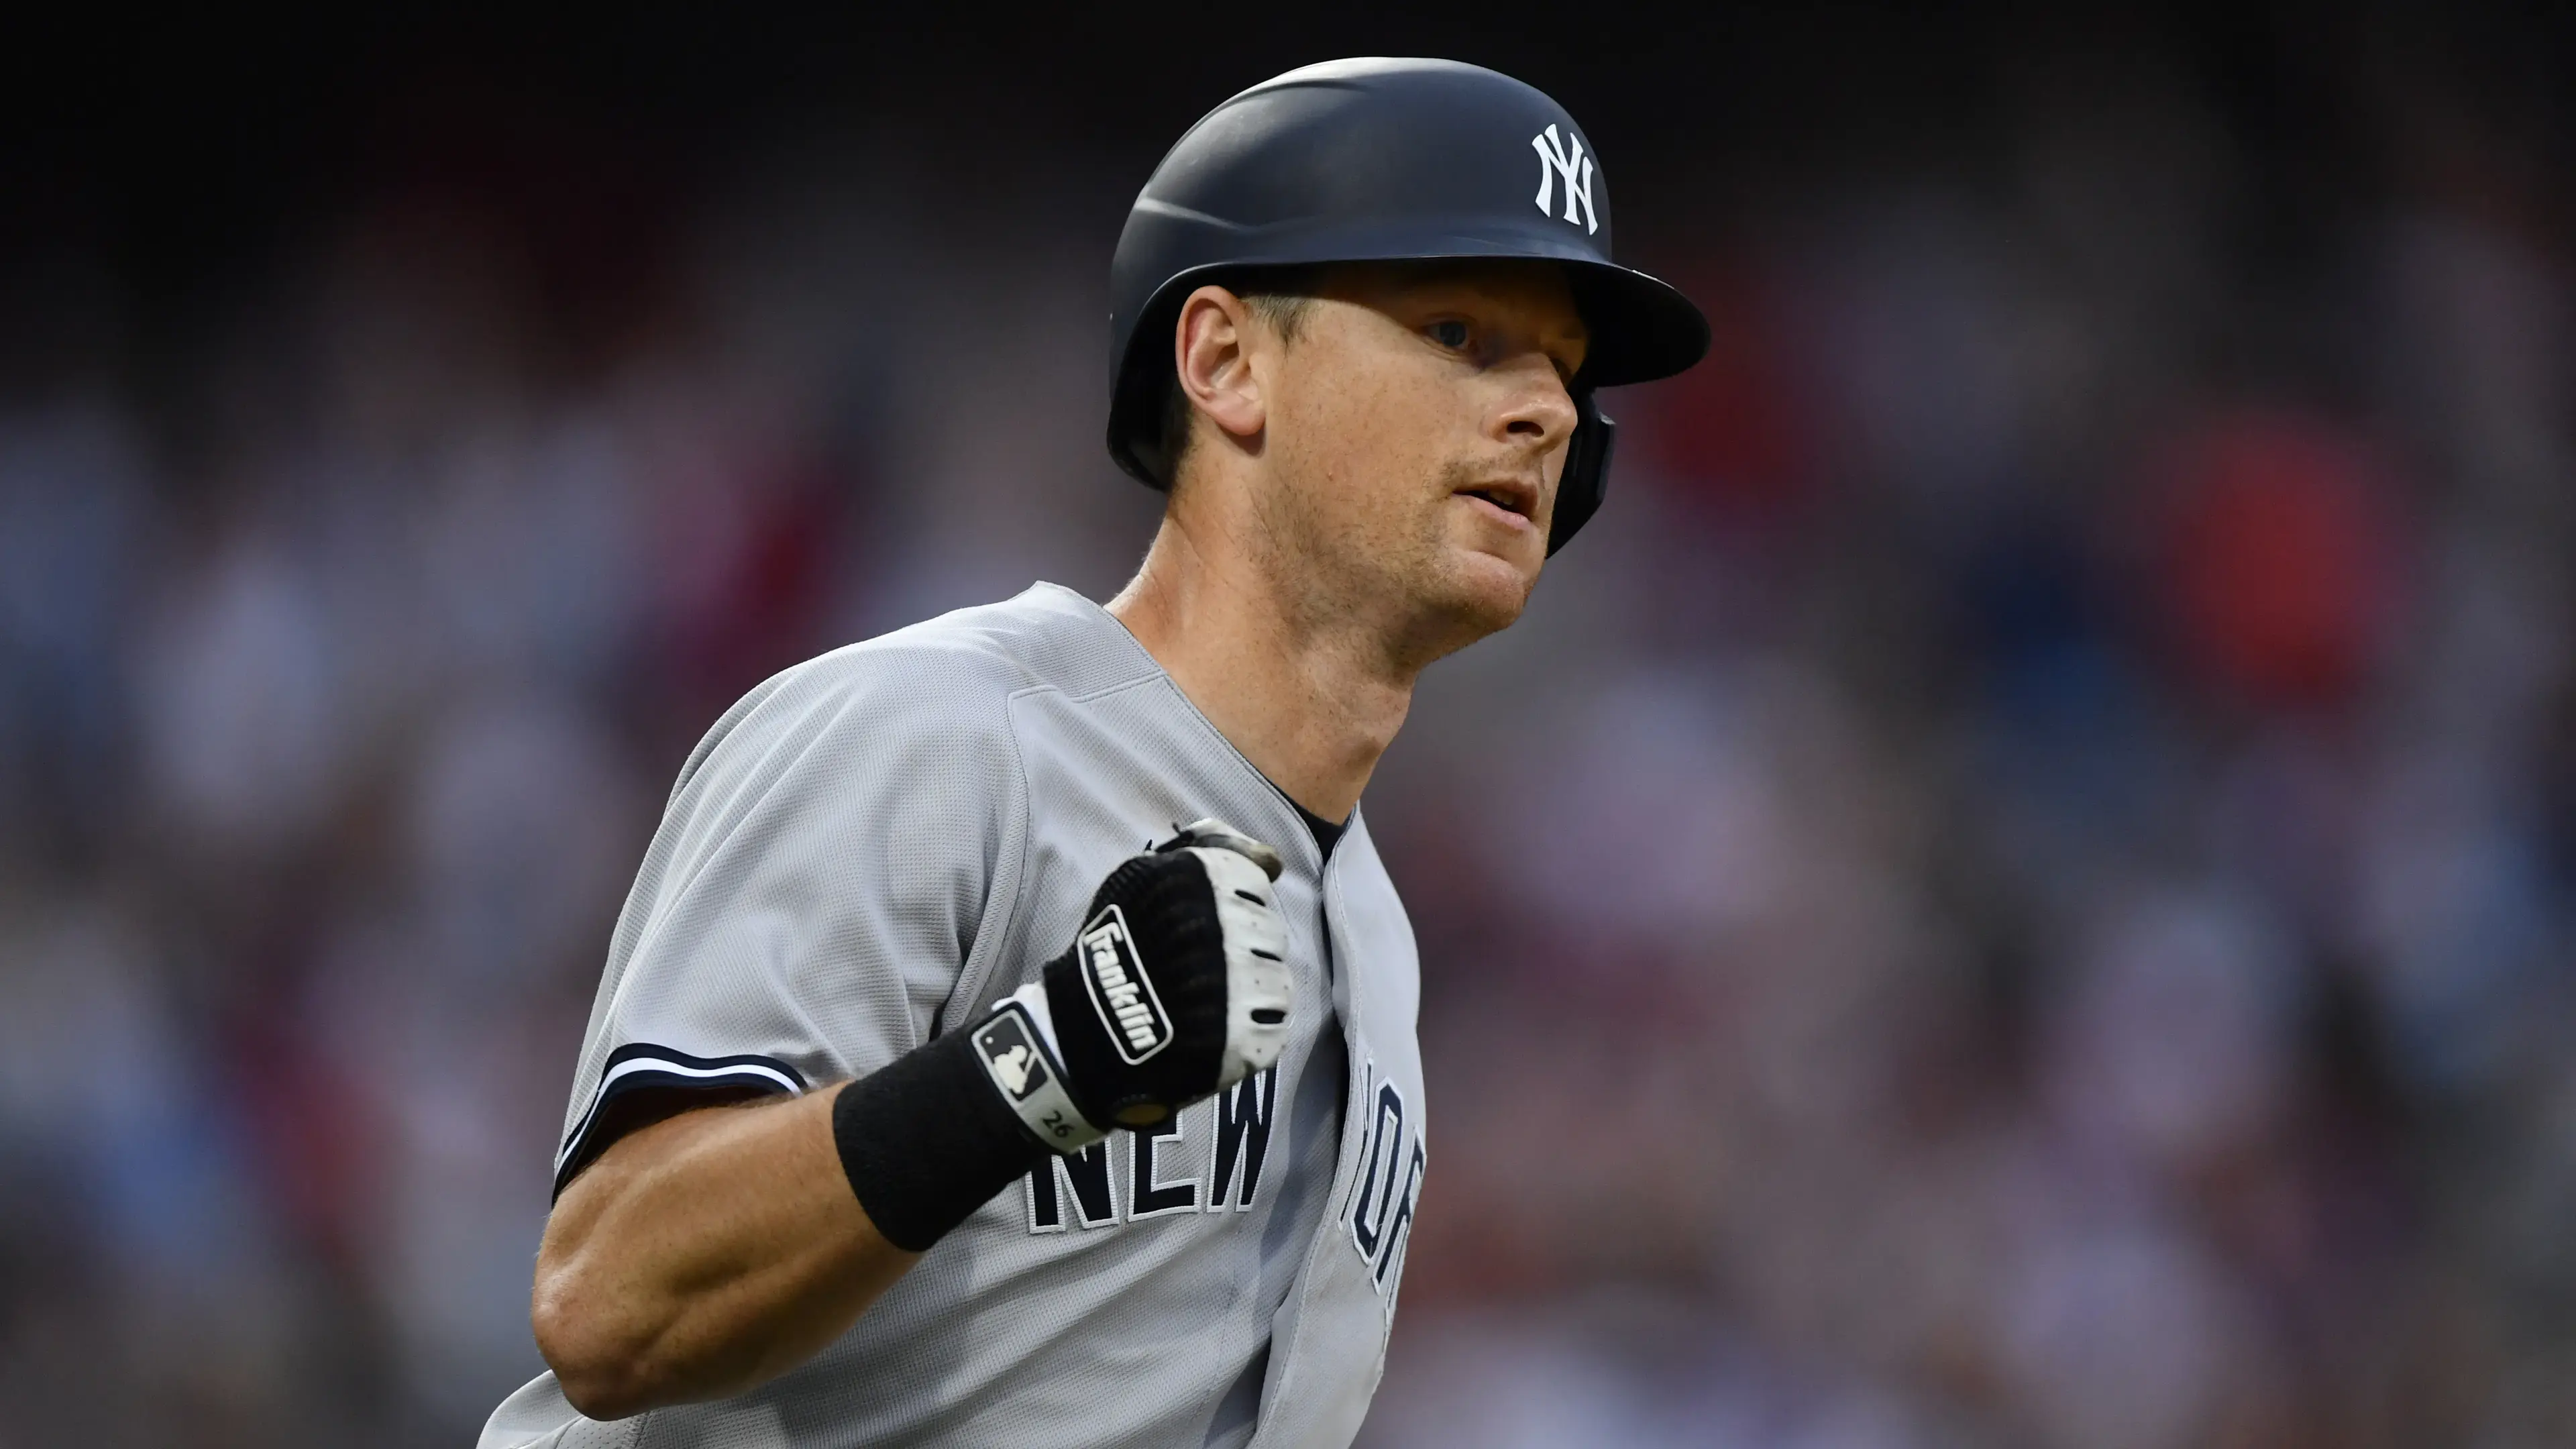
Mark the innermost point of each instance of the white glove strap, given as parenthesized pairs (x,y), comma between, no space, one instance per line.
(1017,1047)
(1256,964)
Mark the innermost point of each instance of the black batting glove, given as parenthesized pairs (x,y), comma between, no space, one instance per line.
(1175,988)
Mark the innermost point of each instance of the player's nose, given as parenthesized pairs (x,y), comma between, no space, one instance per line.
(1537,411)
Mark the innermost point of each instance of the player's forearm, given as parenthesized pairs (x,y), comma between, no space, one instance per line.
(704,1255)
(708,1253)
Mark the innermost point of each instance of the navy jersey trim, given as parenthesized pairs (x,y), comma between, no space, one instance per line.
(643,1066)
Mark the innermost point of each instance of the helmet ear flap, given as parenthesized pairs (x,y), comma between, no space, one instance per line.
(1579,489)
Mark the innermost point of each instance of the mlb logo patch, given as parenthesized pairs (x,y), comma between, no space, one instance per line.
(1011,1057)
(1017,1058)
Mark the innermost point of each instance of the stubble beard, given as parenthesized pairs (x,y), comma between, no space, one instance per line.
(1400,569)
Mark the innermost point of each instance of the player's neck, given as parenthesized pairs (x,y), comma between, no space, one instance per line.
(1311,702)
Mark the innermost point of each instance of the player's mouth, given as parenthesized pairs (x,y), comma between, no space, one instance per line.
(1509,502)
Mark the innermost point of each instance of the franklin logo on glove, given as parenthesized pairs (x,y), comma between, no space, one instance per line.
(1121,991)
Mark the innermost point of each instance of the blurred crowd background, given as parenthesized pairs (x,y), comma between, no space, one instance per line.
(2013,890)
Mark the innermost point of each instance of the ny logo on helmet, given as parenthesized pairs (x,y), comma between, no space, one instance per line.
(1564,158)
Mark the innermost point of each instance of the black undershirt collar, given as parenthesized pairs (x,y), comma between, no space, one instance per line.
(1327,834)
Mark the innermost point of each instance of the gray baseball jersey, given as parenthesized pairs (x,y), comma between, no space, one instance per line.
(875,846)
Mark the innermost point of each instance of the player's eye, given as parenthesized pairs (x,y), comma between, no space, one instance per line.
(1451,334)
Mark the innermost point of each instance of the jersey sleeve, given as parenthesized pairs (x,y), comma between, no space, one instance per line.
(836,853)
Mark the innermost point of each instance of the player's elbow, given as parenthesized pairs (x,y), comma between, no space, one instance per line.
(603,1372)
(601,1395)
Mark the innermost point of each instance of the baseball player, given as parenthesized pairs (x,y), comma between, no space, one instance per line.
(1009,1039)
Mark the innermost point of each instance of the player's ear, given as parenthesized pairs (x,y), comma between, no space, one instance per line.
(1213,363)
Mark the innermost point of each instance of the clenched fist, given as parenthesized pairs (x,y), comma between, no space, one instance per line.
(1175,988)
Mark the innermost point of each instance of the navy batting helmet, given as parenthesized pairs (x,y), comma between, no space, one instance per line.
(1386,160)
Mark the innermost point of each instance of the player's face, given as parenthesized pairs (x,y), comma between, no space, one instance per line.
(1419,424)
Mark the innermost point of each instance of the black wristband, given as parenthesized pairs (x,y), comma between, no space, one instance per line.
(927,1141)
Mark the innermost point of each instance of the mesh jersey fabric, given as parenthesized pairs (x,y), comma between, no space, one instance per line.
(874,846)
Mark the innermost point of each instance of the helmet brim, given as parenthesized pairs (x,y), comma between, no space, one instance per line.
(1642,327)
